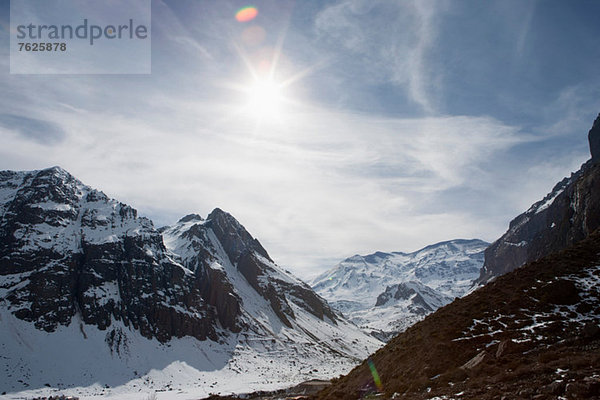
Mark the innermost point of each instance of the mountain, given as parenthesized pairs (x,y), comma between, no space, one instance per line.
(95,301)
(384,293)
(568,214)
(533,333)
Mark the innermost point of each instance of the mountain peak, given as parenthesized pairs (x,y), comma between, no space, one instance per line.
(55,171)
(56,168)
(594,139)
(235,238)
(217,212)
(191,217)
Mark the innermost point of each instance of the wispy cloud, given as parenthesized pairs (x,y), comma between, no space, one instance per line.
(320,182)
(392,39)
(40,131)
(525,28)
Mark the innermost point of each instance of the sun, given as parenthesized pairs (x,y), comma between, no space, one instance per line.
(264,98)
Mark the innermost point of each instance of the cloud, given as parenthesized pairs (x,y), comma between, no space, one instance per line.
(322,183)
(525,28)
(390,41)
(316,186)
(43,132)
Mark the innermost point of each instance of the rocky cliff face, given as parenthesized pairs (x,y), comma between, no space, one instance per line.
(568,214)
(66,248)
(220,243)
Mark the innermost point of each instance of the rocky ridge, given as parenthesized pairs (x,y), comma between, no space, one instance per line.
(568,214)
(68,249)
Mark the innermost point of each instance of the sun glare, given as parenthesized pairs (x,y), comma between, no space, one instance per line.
(264,98)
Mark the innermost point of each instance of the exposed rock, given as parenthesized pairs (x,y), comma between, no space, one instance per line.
(477,361)
(526,393)
(234,238)
(82,252)
(570,213)
(421,299)
(221,240)
(583,389)
(556,388)
(594,139)
(506,347)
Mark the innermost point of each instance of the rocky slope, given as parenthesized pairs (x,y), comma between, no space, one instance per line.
(67,249)
(532,333)
(82,274)
(384,293)
(568,214)
(206,247)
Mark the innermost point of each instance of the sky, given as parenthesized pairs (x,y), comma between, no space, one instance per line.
(327,128)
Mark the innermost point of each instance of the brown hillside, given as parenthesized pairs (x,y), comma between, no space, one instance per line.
(530,334)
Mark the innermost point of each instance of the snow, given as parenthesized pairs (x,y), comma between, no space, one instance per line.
(445,271)
(80,360)
(548,201)
(181,369)
(551,197)
(522,243)
(53,206)
(532,323)
(98,221)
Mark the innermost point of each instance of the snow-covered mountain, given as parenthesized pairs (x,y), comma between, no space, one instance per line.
(95,301)
(386,292)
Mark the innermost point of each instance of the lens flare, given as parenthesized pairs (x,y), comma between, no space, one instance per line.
(246,14)
(375,375)
(254,35)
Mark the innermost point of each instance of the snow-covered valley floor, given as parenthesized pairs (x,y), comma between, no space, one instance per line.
(182,368)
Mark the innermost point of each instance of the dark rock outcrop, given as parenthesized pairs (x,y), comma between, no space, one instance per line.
(415,293)
(66,248)
(234,238)
(594,139)
(567,215)
(221,241)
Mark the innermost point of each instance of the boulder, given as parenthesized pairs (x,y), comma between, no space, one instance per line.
(506,347)
(477,361)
